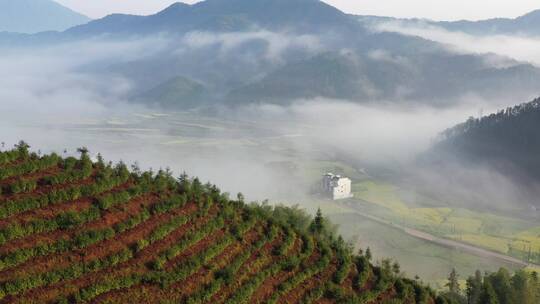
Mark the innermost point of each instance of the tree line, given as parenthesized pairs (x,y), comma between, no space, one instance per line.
(501,287)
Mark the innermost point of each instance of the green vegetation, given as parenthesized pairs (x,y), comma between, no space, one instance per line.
(500,287)
(429,261)
(514,237)
(64,240)
(506,136)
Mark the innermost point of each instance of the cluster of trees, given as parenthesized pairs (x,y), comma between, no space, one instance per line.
(78,241)
(500,287)
(21,151)
(20,185)
(227,275)
(182,271)
(288,263)
(34,164)
(508,140)
(73,271)
(78,269)
(159,276)
(64,220)
(530,109)
(108,178)
(344,257)
(73,170)
(9,156)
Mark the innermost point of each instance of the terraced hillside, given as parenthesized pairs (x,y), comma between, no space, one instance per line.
(73,230)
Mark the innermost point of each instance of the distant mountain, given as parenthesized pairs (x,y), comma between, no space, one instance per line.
(528,24)
(174,93)
(32,16)
(226,15)
(328,75)
(276,51)
(431,77)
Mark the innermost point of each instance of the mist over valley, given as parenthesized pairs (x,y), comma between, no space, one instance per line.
(434,123)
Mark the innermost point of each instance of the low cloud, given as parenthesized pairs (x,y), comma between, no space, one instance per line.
(67,79)
(373,132)
(276,43)
(520,48)
(56,99)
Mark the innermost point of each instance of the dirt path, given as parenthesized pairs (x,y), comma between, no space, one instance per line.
(481,252)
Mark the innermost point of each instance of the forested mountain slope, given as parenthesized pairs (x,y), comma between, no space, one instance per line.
(239,52)
(76,231)
(508,140)
(227,15)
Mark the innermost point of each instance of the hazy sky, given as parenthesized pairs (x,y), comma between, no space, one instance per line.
(433,9)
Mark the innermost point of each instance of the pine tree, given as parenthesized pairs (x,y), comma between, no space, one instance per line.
(23,148)
(474,288)
(488,295)
(453,282)
(83,150)
(396,268)
(368,254)
(317,225)
(502,285)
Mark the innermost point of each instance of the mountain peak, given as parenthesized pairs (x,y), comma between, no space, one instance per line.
(32,16)
(532,15)
(305,16)
(175,7)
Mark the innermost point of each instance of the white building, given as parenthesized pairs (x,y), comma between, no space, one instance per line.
(336,186)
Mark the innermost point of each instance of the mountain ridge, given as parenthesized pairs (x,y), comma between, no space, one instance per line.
(239,49)
(527,24)
(226,15)
(33,16)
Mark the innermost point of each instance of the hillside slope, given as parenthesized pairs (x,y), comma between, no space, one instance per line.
(488,163)
(32,16)
(174,92)
(76,231)
(508,140)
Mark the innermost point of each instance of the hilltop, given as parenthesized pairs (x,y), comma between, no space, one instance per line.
(226,15)
(73,230)
(33,16)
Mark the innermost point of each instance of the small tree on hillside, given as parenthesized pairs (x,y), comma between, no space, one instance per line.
(83,151)
(453,282)
(396,268)
(318,224)
(474,287)
(368,254)
(22,147)
(488,295)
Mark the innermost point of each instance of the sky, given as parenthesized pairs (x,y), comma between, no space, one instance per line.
(432,9)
